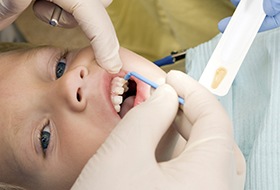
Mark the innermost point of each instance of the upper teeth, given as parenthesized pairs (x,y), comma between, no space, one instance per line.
(118,87)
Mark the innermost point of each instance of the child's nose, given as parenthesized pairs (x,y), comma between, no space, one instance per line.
(71,88)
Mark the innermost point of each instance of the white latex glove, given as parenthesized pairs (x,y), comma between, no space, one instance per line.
(10,10)
(91,15)
(209,161)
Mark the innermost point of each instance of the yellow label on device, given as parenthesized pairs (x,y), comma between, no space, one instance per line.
(219,76)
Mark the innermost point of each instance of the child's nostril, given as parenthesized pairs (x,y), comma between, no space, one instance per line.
(78,96)
(82,74)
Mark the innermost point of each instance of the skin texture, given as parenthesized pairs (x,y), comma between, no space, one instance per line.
(75,108)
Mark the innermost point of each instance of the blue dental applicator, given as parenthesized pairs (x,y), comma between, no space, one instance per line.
(149,82)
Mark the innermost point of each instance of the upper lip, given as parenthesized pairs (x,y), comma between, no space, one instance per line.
(142,91)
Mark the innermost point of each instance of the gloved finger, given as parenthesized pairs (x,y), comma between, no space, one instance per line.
(270,23)
(235,2)
(130,148)
(240,168)
(203,110)
(146,123)
(106,3)
(183,125)
(223,24)
(210,146)
(44,10)
(10,10)
(271,7)
(96,24)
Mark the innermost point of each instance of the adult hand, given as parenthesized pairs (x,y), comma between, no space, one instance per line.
(210,159)
(272,20)
(10,10)
(91,15)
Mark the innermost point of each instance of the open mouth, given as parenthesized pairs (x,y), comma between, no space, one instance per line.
(125,95)
(129,98)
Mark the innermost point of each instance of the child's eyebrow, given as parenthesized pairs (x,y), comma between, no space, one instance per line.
(46,57)
(23,149)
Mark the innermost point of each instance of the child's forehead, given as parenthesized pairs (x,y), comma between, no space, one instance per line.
(7,159)
(10,63)
(13,84)
(20,55)
(14,139)
(15,58)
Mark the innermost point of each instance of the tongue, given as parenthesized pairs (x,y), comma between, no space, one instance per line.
(127,105)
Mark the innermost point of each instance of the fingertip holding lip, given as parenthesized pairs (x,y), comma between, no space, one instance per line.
(114,69)
(111,68)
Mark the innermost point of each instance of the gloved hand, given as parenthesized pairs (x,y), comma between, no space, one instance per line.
(210,159)
(10,10)
(272,20)
(91,15)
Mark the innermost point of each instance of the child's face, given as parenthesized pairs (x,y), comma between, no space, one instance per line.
(53,120)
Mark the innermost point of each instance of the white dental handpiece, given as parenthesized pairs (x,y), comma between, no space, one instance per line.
(233,46)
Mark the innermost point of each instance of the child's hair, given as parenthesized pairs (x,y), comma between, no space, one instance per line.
(4,186)
(9,46)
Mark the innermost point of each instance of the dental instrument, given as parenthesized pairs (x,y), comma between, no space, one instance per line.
(57,11)
(149,82)
(233,46)
(172,58)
